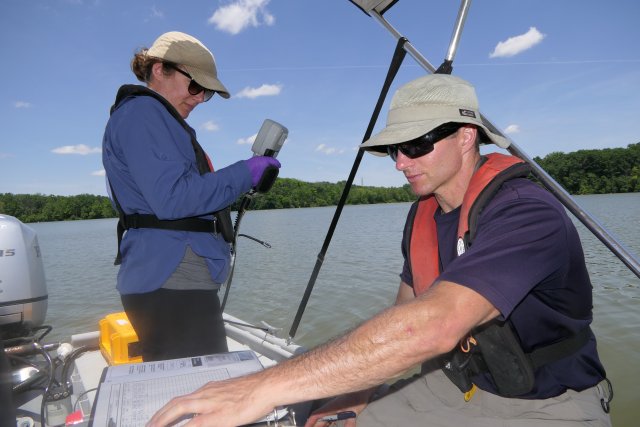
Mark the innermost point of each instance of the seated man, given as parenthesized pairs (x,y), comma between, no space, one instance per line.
(495,299)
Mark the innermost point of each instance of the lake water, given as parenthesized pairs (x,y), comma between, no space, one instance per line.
(358,278)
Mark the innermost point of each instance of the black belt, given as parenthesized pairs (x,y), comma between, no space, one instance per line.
(151,221)
(183,224)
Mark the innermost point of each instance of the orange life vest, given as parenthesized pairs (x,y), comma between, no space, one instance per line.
(496,347)
(423,245)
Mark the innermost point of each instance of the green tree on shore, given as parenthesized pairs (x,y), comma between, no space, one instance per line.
(610,170)
(40,208)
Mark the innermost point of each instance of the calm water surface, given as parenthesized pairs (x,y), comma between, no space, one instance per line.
(359,277)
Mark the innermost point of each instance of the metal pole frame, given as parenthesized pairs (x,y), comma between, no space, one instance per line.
(396,62)
(556,189)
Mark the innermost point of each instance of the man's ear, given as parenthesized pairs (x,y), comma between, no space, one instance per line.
(469,134)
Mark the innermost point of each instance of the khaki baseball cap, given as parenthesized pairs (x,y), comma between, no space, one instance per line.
(183,49)
(427,102)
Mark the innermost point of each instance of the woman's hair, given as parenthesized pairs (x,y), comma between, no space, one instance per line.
(141,65)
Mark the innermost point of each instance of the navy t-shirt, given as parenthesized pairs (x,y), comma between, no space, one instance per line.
(527,260)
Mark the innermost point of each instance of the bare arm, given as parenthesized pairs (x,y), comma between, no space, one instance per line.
(381,348)
(356,401)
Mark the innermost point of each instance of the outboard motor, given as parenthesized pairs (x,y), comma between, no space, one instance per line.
(23,289)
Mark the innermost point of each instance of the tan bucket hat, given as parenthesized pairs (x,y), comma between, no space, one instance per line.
(427,102)
(181,48)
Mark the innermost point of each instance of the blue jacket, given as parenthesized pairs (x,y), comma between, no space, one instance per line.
(151,166)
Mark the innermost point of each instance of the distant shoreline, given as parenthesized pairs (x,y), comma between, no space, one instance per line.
(604,171)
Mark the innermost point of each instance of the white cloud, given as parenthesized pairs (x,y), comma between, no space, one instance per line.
(241,14)
(5,155)
(515,45)
(511,129)
(98,173)
(264,90)
(22,104)
(210,126)
(250,140)
(81,149)
(323,148)
(156,13)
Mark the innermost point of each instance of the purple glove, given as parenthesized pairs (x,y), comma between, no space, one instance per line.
(257,165)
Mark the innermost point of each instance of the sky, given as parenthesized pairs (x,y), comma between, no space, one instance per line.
(555,75)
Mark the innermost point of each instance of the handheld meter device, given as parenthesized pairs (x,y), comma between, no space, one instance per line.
(268,142)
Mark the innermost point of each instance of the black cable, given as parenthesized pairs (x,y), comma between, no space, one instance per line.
(262,242)
(64,382)
(606,404)
(244,205)
(80,396)
(49,384)
(64,378)
(48,329)
(10,342)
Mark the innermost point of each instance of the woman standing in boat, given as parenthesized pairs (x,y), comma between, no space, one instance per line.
(174,228)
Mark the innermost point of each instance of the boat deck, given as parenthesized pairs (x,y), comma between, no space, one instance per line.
(89,367)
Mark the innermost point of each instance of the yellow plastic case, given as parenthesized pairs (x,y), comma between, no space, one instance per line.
(118,341)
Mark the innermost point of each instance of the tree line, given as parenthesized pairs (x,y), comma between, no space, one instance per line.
(609,170)
(292,193)
(285,193)
(40,208)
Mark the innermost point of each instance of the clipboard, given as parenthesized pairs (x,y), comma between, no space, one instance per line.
(129,394)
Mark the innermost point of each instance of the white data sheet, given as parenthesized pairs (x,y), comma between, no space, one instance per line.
(129,395)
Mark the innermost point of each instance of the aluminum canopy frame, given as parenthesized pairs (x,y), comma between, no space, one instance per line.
(376,8)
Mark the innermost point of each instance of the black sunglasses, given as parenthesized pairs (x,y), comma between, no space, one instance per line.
(422,145)
(194,87)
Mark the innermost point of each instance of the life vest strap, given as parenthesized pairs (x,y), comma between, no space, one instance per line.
(183,224)
(498,352)
(151,221)
(561,349)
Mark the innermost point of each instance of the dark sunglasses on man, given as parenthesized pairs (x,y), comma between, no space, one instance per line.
(194,87)
(422,145)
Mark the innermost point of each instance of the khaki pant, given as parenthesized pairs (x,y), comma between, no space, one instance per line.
(432,400)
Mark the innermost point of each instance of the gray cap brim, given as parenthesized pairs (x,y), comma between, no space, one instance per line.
(186,50)
(426,103)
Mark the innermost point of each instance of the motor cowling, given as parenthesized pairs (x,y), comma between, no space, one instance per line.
(23,289)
